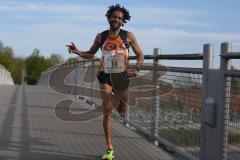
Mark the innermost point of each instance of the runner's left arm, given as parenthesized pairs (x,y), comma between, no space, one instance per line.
(137,50)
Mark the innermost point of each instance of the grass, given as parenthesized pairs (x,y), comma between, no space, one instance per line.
(190,137)
(181,136)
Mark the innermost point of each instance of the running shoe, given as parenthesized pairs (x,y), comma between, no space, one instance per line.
(108,155)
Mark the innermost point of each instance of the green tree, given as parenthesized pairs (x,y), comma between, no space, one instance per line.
(16,70)
(1,46)
(71,58)
(56,59)
(12,64)
(6,57)
(35,65)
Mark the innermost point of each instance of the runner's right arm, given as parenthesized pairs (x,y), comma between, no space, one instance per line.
(86,54)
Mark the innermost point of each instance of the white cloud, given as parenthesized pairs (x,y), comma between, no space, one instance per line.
(160,15)
(179,34)
(76,12)
(61,13)
(174,34)
(55,8)
(56,25)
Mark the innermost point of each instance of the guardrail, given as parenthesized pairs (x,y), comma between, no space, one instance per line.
(221,123)
(198,119)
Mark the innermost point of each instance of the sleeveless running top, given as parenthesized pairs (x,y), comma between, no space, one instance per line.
(114,56)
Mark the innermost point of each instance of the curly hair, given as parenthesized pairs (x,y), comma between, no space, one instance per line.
(117,7)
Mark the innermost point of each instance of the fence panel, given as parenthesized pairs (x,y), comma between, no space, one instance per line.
(232,119)
(177,115)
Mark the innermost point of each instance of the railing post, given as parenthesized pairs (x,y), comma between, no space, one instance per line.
(92,77)
(155,100)
(205,149)
(60,86)
(82,77)
(127,118)
(75,77)
(207,66)
(215,109)
(225,64)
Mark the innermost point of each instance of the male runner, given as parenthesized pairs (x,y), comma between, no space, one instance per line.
(113,72)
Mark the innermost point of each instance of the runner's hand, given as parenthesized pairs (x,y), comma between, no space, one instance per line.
(72,48)
(132,73)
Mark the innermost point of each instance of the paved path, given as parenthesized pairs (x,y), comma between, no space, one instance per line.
(29,130)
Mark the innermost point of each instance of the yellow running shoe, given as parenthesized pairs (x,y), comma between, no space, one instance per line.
(108,155)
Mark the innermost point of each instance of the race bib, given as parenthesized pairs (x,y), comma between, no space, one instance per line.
(113,63)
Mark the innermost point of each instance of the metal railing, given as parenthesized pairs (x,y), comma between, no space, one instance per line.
(220,133)
(199,118)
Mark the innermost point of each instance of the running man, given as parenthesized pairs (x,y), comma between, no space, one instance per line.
(114,73)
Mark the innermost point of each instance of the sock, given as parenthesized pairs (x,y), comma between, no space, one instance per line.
(109,146)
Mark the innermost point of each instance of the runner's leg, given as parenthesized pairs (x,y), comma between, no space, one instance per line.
(106,96)
(122,107)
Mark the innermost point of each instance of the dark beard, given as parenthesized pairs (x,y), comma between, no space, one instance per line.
(114,27)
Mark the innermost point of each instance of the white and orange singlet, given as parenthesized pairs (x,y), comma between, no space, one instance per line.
(114,56)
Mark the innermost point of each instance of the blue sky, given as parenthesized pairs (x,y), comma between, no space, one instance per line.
(175,26)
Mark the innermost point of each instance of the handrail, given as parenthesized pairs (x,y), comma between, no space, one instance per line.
(195,56)
(231,55)
(234,73)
